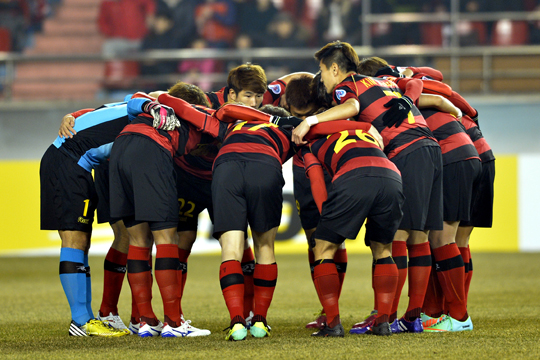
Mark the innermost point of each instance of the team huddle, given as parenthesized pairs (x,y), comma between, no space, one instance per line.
(392,147)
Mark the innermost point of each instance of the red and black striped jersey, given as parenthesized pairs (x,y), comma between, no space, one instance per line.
(455,144)
(372,94)
(218,98)
(349,149)
(257,141)
(274,92)
(480,143)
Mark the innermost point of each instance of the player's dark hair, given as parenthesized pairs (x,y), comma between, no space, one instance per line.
(338,52)
(274,110)
(324,99)
(299,93)
(247,77)
(369,66)
(190,93)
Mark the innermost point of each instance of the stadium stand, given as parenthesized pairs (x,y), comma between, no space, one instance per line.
(72,30)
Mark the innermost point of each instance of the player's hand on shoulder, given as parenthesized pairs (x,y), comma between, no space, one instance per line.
(66,127)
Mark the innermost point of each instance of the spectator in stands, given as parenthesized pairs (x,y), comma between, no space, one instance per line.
(284,33)
(472,33)
(15,18)
(216,21)
(339,20)
(198,72)
(254,18)
(182,15)
(124,24)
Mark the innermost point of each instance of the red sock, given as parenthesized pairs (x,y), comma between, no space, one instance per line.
(113,277)
(451,275)
(340,259)
(183,255)
(264,280)
(434,300)
(232,287)
(327,286)
(385,281)
(248,267)
(419,271)
(140,280)
(469,275)
(375,305)
(311,258)
(135,316)
(167,265)
(466,255)
(399,255)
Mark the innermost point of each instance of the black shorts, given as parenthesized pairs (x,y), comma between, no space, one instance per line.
(421,172)
(458,183)
(194,196)
(142,183)
(68,193)
(246,192)
(305,204)
(352,199)
(101,179)
(482,203)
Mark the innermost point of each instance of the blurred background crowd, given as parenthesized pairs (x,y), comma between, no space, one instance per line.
(135,26)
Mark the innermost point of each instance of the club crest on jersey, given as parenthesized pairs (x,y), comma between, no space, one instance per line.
(276,89)
(340,93)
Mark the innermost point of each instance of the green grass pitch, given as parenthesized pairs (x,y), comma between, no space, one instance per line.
(504,303)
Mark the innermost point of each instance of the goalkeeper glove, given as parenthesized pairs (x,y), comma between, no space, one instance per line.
(398,111)
(286,122)
(164,116)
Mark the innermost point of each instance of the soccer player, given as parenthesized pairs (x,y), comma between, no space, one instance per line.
(408,143)
(302,98)
(143,194)
(68,202)
(274,95)
(116,258)
(246,84)
(246,188)
(461,171)
(366,184)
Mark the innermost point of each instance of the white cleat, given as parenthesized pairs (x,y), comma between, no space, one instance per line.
(146,330)
(190,330)
(114,320)
(134,328)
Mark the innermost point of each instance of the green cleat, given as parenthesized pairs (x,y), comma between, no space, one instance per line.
(237,332)
(259,330)
(449,324)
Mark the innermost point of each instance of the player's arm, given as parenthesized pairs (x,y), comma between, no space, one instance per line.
(68,123)
(423,71)
(315,175)
(440,103)
(464,106)
(295,75)
(377,136)
(412,88)
(350,108)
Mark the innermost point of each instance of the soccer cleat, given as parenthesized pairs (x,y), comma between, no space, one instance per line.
(188,330)
(318,323)
(114,320)
(146,330)
(370,318)
(169,331)
(259,330)
(448,324)
(237,332)
(362,328)
(405,326)
(134,328)
(394,327)
(382,329)
(336,331)
(427,320)
(94,328)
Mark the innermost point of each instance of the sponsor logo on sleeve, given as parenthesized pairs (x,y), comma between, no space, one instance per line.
(340,93)
(276,89)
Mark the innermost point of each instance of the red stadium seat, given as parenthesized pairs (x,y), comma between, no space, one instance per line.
(506,33)
(431,34)
(5,39)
